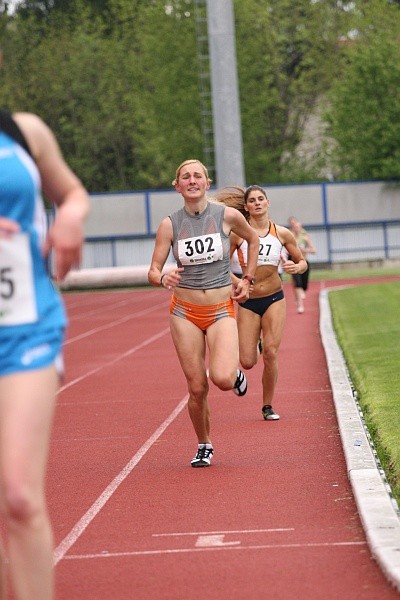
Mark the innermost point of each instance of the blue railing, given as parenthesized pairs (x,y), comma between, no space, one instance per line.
(335,243)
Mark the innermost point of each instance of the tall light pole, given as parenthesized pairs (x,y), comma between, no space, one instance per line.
(228,148)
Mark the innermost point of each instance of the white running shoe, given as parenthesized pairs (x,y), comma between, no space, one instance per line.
(203,457)
(240,387)
(269,414)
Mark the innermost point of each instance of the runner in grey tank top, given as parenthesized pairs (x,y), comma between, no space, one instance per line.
(202,312)
(201,245)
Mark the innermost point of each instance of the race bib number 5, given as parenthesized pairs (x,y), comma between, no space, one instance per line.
(200,249)
(17,297)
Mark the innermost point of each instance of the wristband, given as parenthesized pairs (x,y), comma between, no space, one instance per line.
(161,278)
(250,279)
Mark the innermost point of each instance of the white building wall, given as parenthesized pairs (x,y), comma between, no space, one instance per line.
(121,227)
(140,213)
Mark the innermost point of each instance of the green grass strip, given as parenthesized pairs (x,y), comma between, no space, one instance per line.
(366,320)
(352,272)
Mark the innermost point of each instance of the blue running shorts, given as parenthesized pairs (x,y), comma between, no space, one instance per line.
(29,352)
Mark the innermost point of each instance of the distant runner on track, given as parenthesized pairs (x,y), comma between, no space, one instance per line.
(300,280)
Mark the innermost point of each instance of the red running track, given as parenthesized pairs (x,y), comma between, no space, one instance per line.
(273,518)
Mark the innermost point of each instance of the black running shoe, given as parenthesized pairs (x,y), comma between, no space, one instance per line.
(240,387)
(203,457)
(269,414)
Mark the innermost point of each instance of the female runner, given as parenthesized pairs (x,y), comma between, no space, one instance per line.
(202,310)
(261,318)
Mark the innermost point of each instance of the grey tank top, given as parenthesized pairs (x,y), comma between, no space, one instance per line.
(202,248)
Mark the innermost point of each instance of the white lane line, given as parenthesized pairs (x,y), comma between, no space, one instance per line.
(111,324)
(106,554)
(225,532)
(211,541)
(98,309)
(115,360)
(88,517)
(101,308)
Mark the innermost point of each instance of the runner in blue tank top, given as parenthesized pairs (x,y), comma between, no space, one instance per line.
(32,324)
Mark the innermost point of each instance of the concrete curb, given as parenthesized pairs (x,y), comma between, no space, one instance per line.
(105,277)
(377,509)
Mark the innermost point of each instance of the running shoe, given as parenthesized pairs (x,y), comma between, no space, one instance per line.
(240,387)
(203,457)
(268,413)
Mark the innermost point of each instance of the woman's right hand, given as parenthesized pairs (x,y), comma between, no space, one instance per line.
(172,278)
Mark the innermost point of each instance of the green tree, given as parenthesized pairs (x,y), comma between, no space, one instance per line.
(120,89)
(118,81)
(287,54)
(364,103)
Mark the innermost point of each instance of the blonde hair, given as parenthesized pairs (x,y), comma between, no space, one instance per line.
(232,196)
(189,161)
(236,197)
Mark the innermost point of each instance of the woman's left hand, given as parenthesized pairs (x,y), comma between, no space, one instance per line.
(65,237)
(290,267)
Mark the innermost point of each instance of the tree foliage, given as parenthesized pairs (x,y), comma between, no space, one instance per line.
(364,113)
(286,61)
(118,81)
(119,88)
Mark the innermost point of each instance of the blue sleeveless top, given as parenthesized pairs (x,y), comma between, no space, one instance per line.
(28,298)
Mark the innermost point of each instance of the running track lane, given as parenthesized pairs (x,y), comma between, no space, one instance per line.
(272,519)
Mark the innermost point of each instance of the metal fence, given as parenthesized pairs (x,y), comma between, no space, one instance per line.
(335,243)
